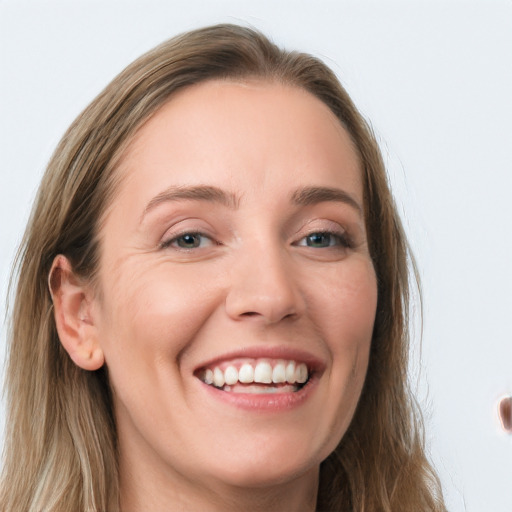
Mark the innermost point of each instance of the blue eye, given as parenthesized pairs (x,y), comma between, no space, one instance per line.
(322,239)
(188,241)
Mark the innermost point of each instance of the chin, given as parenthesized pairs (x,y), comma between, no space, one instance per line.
(249,475)
(269,463)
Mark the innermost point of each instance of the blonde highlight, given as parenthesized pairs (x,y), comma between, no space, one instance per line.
(60,451)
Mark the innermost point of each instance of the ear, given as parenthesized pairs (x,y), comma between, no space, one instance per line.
(73,311)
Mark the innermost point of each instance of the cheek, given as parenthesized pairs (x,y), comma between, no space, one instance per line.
(346,316)
(353,323)
(150,316)
(346,306)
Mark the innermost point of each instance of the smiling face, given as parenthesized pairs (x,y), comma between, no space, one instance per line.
(237,293)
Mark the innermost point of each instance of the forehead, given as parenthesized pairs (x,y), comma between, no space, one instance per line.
(255,131)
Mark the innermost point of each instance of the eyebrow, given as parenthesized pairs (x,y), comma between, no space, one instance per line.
(194,193)
(312,195)
(302,197)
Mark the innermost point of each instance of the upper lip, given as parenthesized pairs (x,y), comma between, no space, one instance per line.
(314,363)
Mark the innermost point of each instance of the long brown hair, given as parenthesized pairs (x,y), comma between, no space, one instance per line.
(60,450)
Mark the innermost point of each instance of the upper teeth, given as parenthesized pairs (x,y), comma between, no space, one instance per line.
(261,372)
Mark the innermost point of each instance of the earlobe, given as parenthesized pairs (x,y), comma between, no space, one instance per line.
(73,312)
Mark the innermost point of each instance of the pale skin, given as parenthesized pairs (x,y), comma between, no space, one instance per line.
(238,225)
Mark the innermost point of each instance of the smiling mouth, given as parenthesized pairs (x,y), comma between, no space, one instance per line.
(264,376)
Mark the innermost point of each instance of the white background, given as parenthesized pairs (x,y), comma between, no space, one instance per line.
(434,78)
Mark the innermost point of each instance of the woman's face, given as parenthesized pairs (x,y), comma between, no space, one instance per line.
(235,251)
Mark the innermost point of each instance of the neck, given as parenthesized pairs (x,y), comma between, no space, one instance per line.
(142,490)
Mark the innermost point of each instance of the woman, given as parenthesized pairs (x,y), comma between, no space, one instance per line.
(211,310)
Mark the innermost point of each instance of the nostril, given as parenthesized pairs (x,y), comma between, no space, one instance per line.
(254,314)
(252,301)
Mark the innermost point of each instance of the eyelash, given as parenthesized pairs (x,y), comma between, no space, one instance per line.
(174,239)
(341,240)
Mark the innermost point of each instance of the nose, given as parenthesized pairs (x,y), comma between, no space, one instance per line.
(264,286)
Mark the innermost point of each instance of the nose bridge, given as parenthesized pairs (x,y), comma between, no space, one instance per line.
(263,283)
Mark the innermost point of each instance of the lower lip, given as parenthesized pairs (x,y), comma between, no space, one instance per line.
(272,402)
